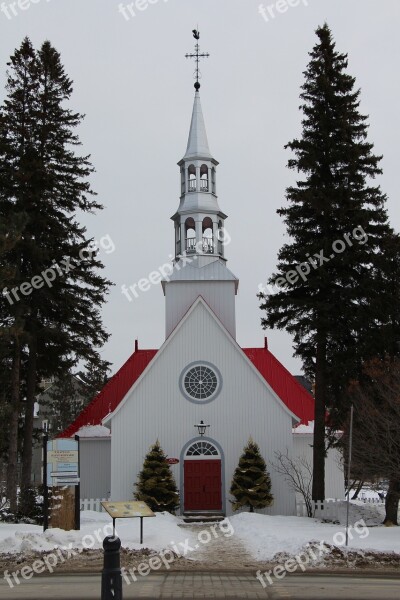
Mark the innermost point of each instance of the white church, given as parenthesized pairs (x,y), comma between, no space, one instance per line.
(201,395)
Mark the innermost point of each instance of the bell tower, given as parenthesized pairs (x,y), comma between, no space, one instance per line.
(199,221)
(200,237)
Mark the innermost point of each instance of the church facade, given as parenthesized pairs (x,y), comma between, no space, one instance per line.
(200,375)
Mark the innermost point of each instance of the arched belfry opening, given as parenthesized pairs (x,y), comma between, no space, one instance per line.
(190,235)
(192,180)
(207,239)
(213,181)
(204,178)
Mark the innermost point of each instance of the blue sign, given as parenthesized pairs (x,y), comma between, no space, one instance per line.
(62,462)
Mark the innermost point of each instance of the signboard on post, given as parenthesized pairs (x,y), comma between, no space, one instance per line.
(128,510)
(62,462)
(61,473)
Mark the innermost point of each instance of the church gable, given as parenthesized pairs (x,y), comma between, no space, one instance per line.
(199,374)
(200,339)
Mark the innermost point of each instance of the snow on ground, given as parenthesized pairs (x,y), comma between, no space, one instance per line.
(264,536)
(158,533)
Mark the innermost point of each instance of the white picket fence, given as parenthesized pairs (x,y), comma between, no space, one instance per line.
(332,509)
(328,510)
(372,500)
(92,504)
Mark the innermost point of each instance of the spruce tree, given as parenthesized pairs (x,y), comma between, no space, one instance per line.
(337,224)
(16,173)
(251,483)
(63,401)
(46,186)
(156,484)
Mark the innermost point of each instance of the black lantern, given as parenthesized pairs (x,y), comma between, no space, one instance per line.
(201,427)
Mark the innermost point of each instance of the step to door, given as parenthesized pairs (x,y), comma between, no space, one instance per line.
(203,518)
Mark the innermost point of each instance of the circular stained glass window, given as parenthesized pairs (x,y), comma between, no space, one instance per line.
(200,382)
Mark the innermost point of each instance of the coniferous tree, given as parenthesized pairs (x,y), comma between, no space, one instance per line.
(16,168)
(63,401)
(156,484)
(251,483)
(327,296)
(58,320)
(94,378)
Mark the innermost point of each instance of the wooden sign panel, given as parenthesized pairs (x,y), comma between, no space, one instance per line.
(127,510)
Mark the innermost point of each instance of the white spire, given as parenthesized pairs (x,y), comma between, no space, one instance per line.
(197,146)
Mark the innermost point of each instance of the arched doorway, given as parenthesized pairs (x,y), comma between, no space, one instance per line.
(202,477)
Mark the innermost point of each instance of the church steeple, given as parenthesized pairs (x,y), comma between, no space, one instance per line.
(197,146)
(199,221)
(199,267)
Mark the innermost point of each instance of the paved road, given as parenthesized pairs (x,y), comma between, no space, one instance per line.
(209,585)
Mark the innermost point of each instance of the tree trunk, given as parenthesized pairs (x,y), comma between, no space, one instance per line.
(12,462)
(318,484)
(392,503)
(358,489)
(31,380)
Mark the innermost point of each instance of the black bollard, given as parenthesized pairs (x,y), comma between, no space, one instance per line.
(111,579)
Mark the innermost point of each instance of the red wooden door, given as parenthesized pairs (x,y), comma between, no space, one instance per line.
(202,485)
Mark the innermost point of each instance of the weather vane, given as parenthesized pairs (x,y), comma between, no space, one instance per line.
(197,56)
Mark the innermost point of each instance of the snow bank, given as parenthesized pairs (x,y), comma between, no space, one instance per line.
(158,533)
(264,536)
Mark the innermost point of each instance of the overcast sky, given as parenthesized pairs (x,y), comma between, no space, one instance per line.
(135,86)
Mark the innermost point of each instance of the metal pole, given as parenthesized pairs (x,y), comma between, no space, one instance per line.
(141,530)
(348,473)
(78,492)
(111,579)
(45,488)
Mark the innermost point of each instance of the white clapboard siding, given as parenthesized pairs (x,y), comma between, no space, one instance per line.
(95,467)
(219,295)
(92,504)
(334,474)
(156,409)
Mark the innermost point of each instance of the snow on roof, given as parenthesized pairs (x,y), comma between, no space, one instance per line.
(304,428)
(89,431)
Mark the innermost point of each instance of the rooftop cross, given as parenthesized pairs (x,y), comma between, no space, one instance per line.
(197,56)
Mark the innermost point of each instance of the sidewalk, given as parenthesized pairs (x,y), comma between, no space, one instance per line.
(153,587)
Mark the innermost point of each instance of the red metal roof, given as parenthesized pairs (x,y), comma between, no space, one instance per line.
(296,398)
(112,393)
(289,390)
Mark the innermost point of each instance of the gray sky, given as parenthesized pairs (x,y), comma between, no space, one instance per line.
(135,86)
